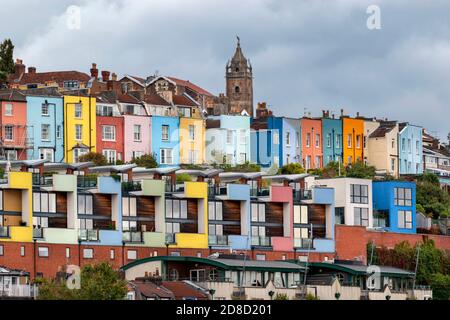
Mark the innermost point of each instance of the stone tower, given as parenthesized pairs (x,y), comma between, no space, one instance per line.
(239,80)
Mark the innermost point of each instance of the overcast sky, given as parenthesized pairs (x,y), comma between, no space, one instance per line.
(305,54)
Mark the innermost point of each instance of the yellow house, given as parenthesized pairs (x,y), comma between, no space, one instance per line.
(79,126)
(16,205)
(192,140)
(383,148)
(196,193)
(352,136)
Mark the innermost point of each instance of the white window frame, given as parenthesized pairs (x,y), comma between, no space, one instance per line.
(9,136)
(137,133)
(79,132)
(78,111)
(191,132)
(9,109)
(111,133)
(45,137)
(165,129)
(45,110)
(164,157)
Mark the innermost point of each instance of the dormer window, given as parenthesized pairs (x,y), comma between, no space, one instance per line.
(71,85)
(237,89)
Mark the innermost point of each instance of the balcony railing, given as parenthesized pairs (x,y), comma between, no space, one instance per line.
(133,236)
(38,233)
(170,238)
(131,186)
(259,192)
(88,235)
(304,243)
(4,232)
(302,194)
(86,182)
(216,191)
(217,240)
(261,241)
(39,180)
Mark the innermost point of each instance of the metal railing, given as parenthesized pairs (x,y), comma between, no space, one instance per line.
(86,182)
(131,186)
(216,191)
(19,291)
(217,240)
(88,235)
(4,232)
(133,236)
(38,233)
(303,243)
(39,180)
(302,194)
(261,241)
(259,192)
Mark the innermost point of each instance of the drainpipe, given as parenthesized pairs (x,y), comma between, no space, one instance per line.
(123,253)
(354,146)
(34,258)
(333,144)
(79,253)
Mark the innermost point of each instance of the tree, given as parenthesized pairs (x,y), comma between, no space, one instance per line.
(331,170)
(292,168)
(184,177)
(441,286)
(98,282)
(146,161)
(97,158)
(360,170)
(6,59)
(431,197)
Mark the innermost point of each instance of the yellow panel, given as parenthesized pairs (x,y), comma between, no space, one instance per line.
(191,240)
(12,200)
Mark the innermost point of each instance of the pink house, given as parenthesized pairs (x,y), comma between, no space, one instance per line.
(283,194)
(137,131)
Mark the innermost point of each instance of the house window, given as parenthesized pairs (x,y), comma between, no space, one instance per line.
(9,133)
(137,132)
(46,154)
(192,156)
(338,141)
(349,140)
(288,138)
(137,154)
(359,193)
(215,213)
(131,254)
(8,109)
(417,147)
(308,163)
(11,155)
(67,252)
(403,196)
(78,132)
(393,144)
(328,140)
(297,139)
(166,156)
(44,110)
(392,165)
(276,160)
(191,132)
(78,110)
(403,144)
(308,140)
(71,85)
(88,253)
(58,132)
(45,132)
(243,136)
(339,214)
(358,141)
(300,214)
(229,136)
(165,132)
(405,219)
(85,207)
(105,111)
(112,254)
(317,140)
(108,133)
(44,202)
(22,251)
(261,257)
(317,162)
(237,89)
(78,152)
(301,233)
(110,155)
(276,138)
(361,217)
(258,212)
(43,252)
(2,252)
(409,145)
(176,209)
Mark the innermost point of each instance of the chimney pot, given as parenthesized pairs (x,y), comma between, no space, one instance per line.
(94,71)
(31,69)
(114,77)
(19,67)
(105,76)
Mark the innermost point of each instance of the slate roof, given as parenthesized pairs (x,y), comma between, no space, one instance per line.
(383,129)
(190,85)
(53,76)
(183,290)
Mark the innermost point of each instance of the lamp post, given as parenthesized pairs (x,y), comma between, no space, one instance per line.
(271,293)
(212,292)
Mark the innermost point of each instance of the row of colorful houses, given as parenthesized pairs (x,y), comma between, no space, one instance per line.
(48,125)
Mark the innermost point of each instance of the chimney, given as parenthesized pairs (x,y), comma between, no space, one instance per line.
(94,71)
(342,112)
(105,76)
(19,67)
(114,77)
(357,114)
(31,69)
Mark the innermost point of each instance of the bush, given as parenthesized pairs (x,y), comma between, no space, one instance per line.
(360,170)
(146,161)
(97,158)
(292,168)
(310,296)
(441,286)
(281,296)
(184,177)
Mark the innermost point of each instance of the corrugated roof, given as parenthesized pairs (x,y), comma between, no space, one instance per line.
(182,290)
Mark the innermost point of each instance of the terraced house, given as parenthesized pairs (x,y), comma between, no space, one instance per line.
(332,138)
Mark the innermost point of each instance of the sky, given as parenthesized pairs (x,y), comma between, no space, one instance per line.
(307,55)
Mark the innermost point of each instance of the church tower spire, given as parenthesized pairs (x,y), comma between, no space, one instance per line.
(239,82)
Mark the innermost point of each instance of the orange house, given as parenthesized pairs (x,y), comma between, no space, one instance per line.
(13,123)
(312,155)
(353,139)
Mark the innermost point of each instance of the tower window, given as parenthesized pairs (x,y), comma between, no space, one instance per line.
(237,69)
(237,89)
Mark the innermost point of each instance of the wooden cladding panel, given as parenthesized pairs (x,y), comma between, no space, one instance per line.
(61,202)
(192,209)
(231,230)
(145,206)
(274,231)
(102,205)
(57,223)
(231,210)
(274,212)
(317,216)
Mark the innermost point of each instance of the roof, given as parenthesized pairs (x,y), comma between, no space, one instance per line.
(289,177)
(127,98)
(140,81)
(12,95)
(360,269)
(53,76)
(183,100)
(113,168)
(46,92)
(190,85)
(5,271)
(226,264)
(19,163)
(151,290)
(182,290)
(207,173)
(63,166)
(384,128)
(240,175)
(152,98)
(161,171)
(212,123)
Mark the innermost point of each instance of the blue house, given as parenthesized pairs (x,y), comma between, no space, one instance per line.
(394,206)
(332,140)
(410,149)
(275,141)
(45,129)
(165,140)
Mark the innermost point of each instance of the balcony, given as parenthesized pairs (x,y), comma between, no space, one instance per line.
(216,191)
(131,186)
(261,241)
(301,195)
(170,238)
(305,243)
(259,192)
(86,182)
(39,180)
(88,235)
(4,232)
(38,233)
(217,240)
(133,236)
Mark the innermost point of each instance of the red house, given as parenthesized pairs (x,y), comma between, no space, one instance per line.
(110,126)
(13,123)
